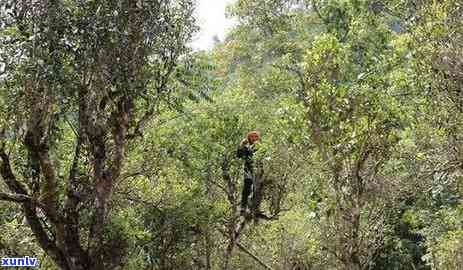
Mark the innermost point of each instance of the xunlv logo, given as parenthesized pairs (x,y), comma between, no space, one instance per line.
(24,261)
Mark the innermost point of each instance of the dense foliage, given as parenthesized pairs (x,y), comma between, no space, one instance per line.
(118,143)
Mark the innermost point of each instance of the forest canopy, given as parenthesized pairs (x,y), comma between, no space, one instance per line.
(118,141)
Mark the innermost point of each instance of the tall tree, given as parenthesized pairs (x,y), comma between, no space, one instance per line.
(80,82)
(340,72)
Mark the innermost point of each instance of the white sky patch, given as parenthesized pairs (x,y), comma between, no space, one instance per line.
(212,22)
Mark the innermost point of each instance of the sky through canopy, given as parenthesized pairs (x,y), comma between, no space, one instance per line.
(212,21)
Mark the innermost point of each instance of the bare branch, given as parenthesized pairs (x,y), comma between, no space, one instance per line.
(247,251)
(11,197)
(257,259)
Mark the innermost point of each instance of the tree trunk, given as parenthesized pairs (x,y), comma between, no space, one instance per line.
(227,255)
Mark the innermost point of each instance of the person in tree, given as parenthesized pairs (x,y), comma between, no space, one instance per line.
(245,151)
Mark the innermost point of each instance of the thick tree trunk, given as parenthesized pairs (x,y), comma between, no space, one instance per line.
(227,255)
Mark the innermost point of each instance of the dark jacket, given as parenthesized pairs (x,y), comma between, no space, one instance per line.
(246,151)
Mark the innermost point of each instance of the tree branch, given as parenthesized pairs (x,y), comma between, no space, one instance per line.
(247,251)
(30,211)
(19,198)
